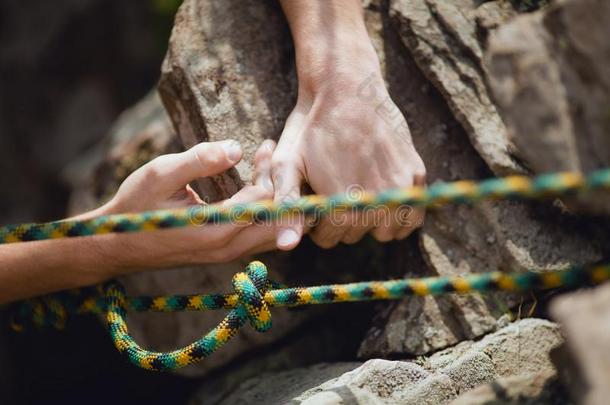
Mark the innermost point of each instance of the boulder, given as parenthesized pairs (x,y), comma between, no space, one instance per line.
(550,74)
(526,389)
(229,73)
(584,361)
(445,41)
(520,349)
(508,235)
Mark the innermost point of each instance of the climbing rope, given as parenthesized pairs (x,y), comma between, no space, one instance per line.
(254,294)
(437,194)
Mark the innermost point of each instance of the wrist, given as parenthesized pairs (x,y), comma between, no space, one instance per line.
(350,61)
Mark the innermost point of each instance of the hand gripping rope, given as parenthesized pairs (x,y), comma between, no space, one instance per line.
(254,293)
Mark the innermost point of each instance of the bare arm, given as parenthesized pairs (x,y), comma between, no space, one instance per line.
(34,268)
(345,133)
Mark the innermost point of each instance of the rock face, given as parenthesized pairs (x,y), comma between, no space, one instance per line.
(584,361)
(520,349)
(219,81)
(505,235)
(550,72)
(444,40)
(526,389)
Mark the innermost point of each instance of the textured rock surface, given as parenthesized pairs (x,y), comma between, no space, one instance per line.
(521,348)
(444,38)
(584,361)
(219,81)
(550,72)
(526,389)
(458,240)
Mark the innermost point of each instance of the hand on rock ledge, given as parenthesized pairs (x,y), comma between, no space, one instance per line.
(345,133)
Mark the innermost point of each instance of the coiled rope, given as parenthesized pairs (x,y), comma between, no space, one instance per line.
(254,293)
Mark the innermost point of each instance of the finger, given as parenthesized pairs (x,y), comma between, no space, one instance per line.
(363,224)
(287,180)
(415,220)
(250,240)
(262,165)
(383,231)
(193,195)
(407,218)
(174,171)
(248,194)
(331,230)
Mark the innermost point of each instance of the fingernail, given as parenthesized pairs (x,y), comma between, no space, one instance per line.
(268,144)
(233,150)
(287,237)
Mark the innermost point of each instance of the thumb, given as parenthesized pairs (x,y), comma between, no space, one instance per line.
(287,180)
(172,172)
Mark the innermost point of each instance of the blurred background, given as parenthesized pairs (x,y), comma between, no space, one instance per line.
(68,68)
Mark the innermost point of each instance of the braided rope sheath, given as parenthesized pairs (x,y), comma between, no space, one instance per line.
(254,294)
(441,193)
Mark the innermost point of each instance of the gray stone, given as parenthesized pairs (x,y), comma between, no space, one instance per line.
(584,361)
(219,81)
(521,348)
(550,74)
(526,389)
(456,240)
(442,37)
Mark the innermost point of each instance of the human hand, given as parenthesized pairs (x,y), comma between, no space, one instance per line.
(42,267)
(163,183)
(345,134)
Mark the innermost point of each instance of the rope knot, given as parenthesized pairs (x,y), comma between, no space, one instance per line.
(251,286)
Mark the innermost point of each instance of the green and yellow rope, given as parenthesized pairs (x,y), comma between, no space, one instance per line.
(441,193)
(254,294)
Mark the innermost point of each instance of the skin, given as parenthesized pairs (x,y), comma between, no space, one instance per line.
(35,268)
(345,133)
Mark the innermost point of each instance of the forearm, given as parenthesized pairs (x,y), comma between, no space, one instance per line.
(330,40)
(39,267)
(35,268)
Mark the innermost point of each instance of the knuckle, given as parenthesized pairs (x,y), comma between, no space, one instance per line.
(404,234)
(153,170)
(382,236)
(324,242)
(204,156)
(351,239)
(279,161)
